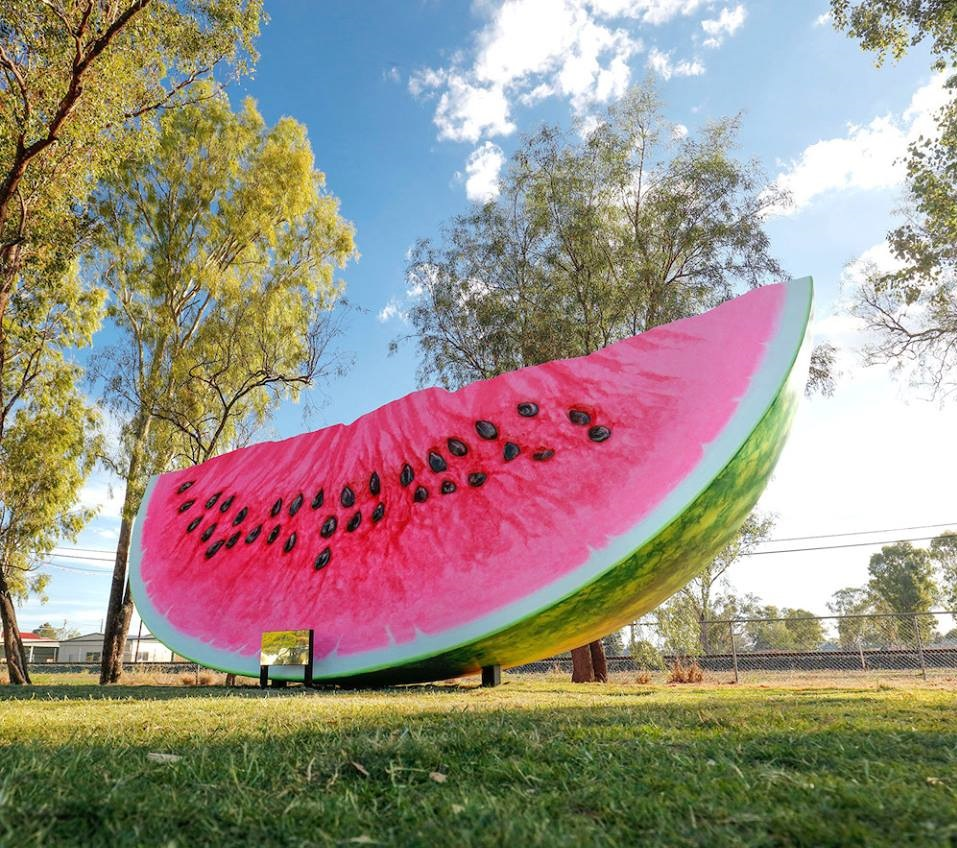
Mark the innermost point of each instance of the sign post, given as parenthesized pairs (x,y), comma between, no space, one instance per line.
(286,649)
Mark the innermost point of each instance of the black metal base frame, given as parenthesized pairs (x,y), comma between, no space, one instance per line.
(491,675)
(264,680)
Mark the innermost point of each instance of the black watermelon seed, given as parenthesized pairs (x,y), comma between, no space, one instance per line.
(448,487)
(296,503)
(212,501)
(421,494)
(290,543)
(184,487)
(511,451)
(457,447)
(213,548)
(185,506)
(276,508)
(528,409)
(240,516)
(194,524)
(328,527)
(274,534)
(375,484)
(318,499)
(476,478)
(377,513)
(226,504)
(543,455)
(233,539)
(486,429)
(579,417)
(599,433)
(437,463)
(348,497)
(407,475)
(208,532)
(254,534)
(323,559)
(354,522)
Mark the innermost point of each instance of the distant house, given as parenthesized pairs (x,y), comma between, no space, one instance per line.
(89,648)
(39,649)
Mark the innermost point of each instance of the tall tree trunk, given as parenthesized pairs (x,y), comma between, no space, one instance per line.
(582,669)
(16,654)
(119,612)
(600,666)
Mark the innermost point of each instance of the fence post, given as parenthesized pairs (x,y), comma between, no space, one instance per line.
(734,651)
(920,647)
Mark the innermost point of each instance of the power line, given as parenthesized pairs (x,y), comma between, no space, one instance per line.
(861,532)
(76,568)
(873,544)
(87,550)
(82,556)
(67,550)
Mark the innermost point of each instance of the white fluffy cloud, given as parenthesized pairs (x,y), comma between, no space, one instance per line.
(389,311)
(481,172)
(652,12)
(868,156)
(530,50)
(823,20)
(98,494)
(465,111)
(662,64)
(727,23)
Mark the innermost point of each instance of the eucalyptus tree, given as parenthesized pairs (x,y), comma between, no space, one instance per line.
(46,453)
(911,311)
(902,581)
(686,617)
(591,240)
(219,248)
(77,80)
(943,550)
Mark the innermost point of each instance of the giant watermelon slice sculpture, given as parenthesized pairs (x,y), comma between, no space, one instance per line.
(501,523)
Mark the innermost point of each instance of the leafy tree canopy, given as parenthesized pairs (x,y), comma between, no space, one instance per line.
(591,241)
(943,550)
(912,311)
(219,248)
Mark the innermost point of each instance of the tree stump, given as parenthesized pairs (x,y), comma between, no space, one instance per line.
(599,665)
(582,669)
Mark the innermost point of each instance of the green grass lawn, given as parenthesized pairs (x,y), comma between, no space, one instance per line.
(530,763)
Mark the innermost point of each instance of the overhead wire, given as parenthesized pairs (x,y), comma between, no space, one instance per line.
(66,552)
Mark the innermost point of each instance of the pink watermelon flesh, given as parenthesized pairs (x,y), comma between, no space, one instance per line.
(235,546)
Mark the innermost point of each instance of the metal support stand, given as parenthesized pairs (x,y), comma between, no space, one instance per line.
(491,675)
(307,682)
(920,648)
(734,651)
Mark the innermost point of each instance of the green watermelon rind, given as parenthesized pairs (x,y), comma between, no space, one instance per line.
(628,577)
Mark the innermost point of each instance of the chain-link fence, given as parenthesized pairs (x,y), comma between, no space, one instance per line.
(824,646)
(831,647)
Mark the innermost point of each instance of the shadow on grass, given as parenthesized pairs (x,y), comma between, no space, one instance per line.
(154,692)
(709,770)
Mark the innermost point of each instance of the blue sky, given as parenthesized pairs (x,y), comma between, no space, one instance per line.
(411,106)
